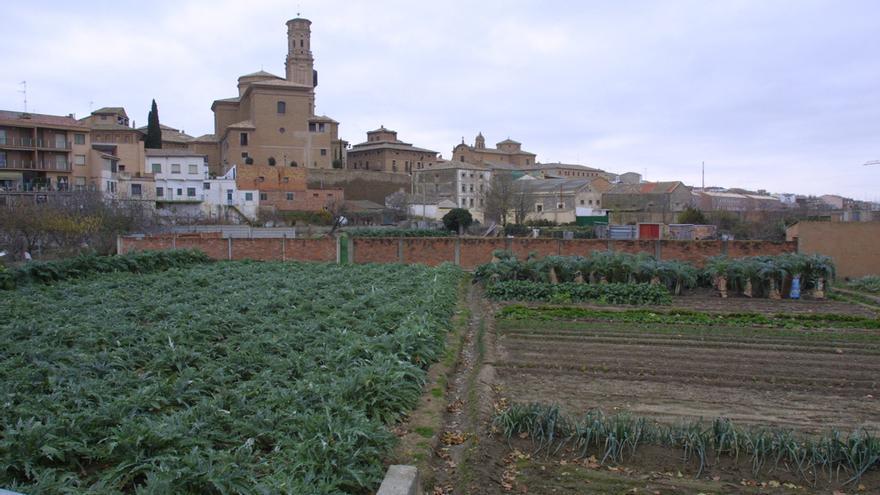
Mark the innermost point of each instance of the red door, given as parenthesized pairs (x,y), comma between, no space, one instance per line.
(649,231)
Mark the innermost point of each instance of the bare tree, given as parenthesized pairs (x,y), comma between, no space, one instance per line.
(505,197)
(338,210)
(398,202)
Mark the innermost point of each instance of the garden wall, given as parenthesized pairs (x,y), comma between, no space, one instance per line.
(466,251)
(854,246)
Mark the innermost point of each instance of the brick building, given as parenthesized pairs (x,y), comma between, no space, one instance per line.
(272,121)
(508,152)
(383,152)
(284,188)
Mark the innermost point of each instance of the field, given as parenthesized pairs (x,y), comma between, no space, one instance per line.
(785,375)
(233,377)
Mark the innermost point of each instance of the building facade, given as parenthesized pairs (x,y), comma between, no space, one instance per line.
(460,184)
(272,121)
(39,152)
(383,152)
(283,189)
(561,200)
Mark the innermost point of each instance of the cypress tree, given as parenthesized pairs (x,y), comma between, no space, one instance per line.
(154,132)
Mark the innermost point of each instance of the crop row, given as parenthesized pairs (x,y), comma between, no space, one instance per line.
(620,435)
(615,293)
(45,272)
(229,377)
(751,276)
(683,317)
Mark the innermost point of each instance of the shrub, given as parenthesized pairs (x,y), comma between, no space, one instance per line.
(615,293)
(457,218)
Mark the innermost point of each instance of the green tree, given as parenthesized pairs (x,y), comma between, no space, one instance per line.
(693,216)
(154,132)
(458,219)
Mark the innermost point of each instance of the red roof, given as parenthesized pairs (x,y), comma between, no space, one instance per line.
(39,120)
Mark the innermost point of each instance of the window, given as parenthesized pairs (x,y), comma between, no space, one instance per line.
(472,188)
(79,183)
(179,191)
(591,201)
(462,157)
(320,127)
(472,202)
(60,162)
(290,196)
(243,138)
(79,139)
(271,161)
(264,196)
(560,206)
(191,192)
(248,196)
(312,127)
(160,191)
(582,201)
(175,168)
(323,152)
(193,169)
(79,159)
(539,207)
(282,107)
(157,168)
(135,189)
(229,195)
(463,188)
(206,186)
(244,154)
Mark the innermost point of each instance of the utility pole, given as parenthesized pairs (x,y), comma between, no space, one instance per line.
(703,188)
(23,91)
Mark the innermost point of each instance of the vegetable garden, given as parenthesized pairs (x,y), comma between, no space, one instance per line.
(229,377)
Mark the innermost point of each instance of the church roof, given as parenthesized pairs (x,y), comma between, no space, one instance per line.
(107,110)
(509,141)
(259,73)
(206,138)
(244,124)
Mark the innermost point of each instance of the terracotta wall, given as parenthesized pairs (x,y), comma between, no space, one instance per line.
(466,252)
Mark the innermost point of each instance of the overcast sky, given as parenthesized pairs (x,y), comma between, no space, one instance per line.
(780,95)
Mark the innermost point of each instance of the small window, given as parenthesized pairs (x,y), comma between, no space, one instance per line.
(294,164)
(175,168)
(323,152)
(193,168)
(135,189)
(243,139)
(320,127)
(290,196)
(244,154)
(560,206)
(312,127)
(282,107)
(582,201)
(156,168)
(191,192)
(79,160)
(79,139)
(160,191)
(271,161)
(206,186)
(248,196)
(179,191)
(539,207)
(264,196)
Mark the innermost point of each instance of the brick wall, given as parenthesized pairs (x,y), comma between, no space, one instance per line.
(433,251)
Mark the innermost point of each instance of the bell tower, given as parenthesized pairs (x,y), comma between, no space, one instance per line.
(299,63)
(480,142)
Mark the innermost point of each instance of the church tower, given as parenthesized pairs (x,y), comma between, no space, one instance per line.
(300,64)
(480,142)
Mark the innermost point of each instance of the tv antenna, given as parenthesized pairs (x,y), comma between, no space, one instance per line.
(23,91)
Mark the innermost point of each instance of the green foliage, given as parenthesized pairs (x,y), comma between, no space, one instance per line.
(153,138)
(614,293)
(457,218)
(230,377)
(47,272)
(516,229)
(366,232)
(693,216)
(617,436)
(870,283)
(322,217)
(683,317)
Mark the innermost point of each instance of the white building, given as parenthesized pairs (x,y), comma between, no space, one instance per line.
(185,189)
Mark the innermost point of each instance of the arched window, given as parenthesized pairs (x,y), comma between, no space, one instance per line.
(271,161)
(282,107)
(294,164)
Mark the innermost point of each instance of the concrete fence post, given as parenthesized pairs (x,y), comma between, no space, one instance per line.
(338,249)
(174,241)
(284,247)
(401,480)
(400,249)
(507,243)
(658,250)
(351,249)
(559,247)
(457,251)
(229,248)
(610,244)
(724,247)
(119,246)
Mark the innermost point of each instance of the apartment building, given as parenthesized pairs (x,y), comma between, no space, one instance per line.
(39,152)
(383,152)
(461,184)
(284,188)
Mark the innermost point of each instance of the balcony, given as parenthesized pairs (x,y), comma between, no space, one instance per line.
(13,142)
(41,165)
(198,198)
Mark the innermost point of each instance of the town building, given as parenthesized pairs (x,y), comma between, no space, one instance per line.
(568,171)
(657,202)
(40,152)
(383,152)
(272,121)
(562,200)
(456,183)
(506,152)
(284,189)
